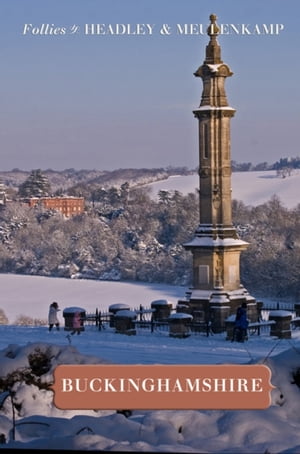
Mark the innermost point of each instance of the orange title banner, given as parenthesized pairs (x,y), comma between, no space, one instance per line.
(157,387)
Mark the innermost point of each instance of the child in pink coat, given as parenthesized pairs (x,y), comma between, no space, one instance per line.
(76,323)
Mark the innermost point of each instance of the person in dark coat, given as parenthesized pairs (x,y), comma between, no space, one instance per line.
(241,324)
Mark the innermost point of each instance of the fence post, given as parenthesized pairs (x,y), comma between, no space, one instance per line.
(282,327)
(179,324)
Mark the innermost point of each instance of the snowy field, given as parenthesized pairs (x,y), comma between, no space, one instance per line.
(40,425)
(252,188)
(32,295)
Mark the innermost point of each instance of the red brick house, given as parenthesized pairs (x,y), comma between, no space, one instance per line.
(68,206)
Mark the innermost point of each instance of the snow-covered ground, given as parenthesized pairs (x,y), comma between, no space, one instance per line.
(32,295)
(40,425)
(252,188)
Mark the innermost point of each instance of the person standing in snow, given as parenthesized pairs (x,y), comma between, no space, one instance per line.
(241,324)
(76,323)
(52,316)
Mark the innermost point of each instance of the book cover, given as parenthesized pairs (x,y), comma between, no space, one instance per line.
(108,109)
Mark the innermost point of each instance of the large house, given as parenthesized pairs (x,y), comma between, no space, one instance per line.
(68,206)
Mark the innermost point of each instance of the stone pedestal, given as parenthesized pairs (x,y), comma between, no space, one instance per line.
(282,325)
(217,305)
(183,307)
(113,309)
(124,322)
(68,315)
(229,326)
(179,325)
(253,310)
(162,309)
(218,316)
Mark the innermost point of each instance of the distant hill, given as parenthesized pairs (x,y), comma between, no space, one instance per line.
(58,179)
(252,188)
(76,179)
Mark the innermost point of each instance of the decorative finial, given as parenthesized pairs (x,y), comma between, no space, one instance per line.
(213,29)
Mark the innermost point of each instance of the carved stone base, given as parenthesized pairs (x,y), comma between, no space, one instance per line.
(217,305)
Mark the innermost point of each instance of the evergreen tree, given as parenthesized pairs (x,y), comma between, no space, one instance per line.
(36,185)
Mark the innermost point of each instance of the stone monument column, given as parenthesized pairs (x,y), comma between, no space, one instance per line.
(216,246)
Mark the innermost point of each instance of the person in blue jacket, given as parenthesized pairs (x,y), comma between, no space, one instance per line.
(241,324)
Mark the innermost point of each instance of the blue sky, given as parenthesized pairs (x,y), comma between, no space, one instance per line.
(107,101)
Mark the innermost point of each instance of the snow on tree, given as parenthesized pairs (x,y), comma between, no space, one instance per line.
(2,194)
(36,185)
